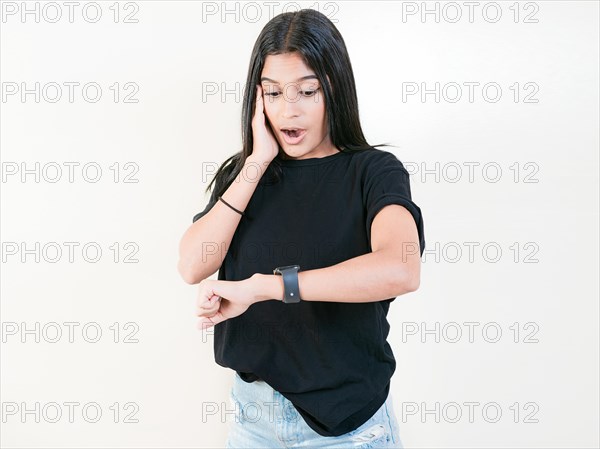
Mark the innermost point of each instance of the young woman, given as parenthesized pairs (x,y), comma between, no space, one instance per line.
(314,234)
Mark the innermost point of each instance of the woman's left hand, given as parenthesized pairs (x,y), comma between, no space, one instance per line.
(220,300)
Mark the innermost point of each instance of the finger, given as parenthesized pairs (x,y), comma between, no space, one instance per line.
(217,318)
(210,302)
(209,308)
(208,322)
(203,301)
(208,311)
(260,100)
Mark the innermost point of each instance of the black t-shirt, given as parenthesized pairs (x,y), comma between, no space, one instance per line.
(330,359)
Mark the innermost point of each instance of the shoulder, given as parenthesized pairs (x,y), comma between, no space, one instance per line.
(374,161)
(375,155)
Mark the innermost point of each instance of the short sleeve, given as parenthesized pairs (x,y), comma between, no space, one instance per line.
(388,182)
(211,202)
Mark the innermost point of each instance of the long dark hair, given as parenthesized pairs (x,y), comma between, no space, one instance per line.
(316,39)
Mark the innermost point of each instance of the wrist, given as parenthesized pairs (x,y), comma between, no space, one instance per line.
(258,163)
(266,287)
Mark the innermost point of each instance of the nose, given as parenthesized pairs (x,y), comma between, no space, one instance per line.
(291,104)
(290,109)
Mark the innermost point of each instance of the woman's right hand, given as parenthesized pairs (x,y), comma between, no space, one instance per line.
(265,146)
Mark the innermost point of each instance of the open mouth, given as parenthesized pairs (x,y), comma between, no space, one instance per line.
(293,132)
(293,136)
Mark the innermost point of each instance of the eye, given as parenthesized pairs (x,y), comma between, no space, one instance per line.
(273,94)
(310,93)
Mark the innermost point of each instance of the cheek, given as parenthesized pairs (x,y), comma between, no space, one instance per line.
(317,113)
(269,109)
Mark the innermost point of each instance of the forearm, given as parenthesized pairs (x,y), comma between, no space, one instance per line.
(205,244)
(371,277)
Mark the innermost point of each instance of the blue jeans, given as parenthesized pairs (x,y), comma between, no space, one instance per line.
(264,418)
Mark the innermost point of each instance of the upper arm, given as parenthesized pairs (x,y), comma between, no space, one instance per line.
(387,183)
(394,230)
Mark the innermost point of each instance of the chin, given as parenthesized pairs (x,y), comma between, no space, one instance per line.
(296,150)
(295,154)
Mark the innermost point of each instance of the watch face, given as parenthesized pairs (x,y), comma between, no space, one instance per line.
(290,267)
(278,270)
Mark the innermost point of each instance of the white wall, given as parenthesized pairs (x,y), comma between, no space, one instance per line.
(545,280)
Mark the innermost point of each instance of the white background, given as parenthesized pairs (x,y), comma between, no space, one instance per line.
(175,137)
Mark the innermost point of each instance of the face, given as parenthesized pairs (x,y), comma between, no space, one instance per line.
(294,100)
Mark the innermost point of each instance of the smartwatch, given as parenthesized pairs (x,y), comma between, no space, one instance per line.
(290,283)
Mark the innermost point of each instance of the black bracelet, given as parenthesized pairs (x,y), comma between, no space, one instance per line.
(239,212)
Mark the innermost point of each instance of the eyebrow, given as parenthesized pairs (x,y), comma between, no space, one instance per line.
(307,77)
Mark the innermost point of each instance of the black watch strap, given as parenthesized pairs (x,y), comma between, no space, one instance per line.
(290,283)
